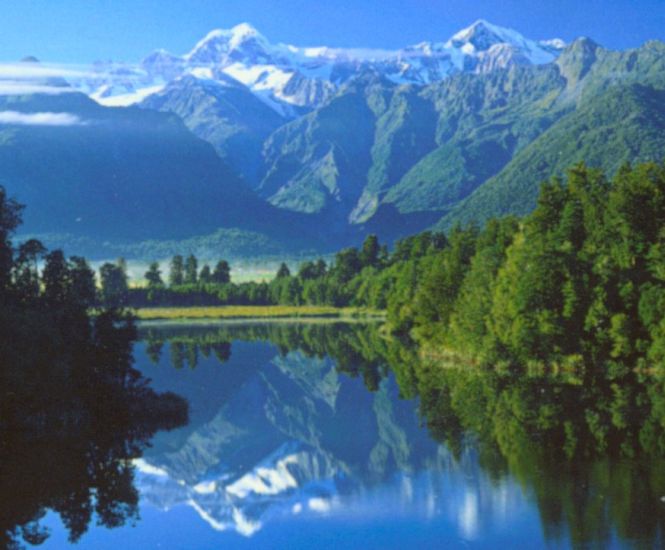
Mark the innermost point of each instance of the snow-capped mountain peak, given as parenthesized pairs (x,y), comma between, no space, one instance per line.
(244,30)
(481,36)
(242,41)
(290,78)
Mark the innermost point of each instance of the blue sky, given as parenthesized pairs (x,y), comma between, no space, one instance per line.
(76,31)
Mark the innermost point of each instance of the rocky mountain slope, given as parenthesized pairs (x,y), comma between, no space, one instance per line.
(317,147)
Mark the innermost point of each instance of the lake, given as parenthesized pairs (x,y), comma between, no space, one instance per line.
(327,435)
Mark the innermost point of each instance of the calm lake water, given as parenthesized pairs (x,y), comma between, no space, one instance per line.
(313,436)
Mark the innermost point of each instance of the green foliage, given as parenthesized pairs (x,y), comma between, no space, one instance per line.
(222,273)
(69,389)
(581,279)
(283,271)
(443,274)
(622,124)
(114,284)
(191,270)
(177,271)
(10,218)
(206,274)
(468,323)
(154,276)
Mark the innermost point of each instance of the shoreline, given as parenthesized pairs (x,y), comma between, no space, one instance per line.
(255,313)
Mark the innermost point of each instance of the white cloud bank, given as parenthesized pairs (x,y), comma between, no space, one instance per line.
(40,119)
(30,71)
(11,87)
(53,79)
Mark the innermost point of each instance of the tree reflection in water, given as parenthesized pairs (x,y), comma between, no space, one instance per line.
(73,414)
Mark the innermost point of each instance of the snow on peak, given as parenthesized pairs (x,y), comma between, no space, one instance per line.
(481,36)
(243,30)
(221,42)
(554,43)
(288,77)
(483,39)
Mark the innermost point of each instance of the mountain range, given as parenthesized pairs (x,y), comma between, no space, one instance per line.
(312,148)
(291,79)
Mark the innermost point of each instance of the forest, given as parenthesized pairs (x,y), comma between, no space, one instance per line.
(70,398)
(580,280)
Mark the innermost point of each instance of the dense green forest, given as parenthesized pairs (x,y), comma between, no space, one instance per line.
(579,280)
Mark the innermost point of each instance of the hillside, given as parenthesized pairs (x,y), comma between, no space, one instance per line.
(225,114)
(616,116)
(123,175)
(623,125)
(470,146)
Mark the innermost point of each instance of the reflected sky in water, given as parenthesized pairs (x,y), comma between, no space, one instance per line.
(284,450)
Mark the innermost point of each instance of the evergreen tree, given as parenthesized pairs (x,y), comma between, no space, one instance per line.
(347,265)
(191,270)
(283,271)
(177,271)
(26,269)
(222,273)
(443,274)
(321,268)
(154,276)
(56,278)
(206,274)
(10,218)
(309,270)
(468,323)
(370,252)
(114,285)
(82,277)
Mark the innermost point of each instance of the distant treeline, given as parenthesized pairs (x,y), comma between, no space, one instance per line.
(315,283)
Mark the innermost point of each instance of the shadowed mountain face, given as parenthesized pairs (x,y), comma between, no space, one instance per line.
(127,175)
(224,113)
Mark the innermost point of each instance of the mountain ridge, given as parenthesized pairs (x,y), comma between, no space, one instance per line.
(290,78)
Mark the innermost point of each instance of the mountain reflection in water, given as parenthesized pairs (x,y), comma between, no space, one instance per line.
(283,427)
(326,435)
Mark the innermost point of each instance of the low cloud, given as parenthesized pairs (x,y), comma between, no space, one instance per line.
(40,119)
(29,71)
(58,79)
(9,87)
